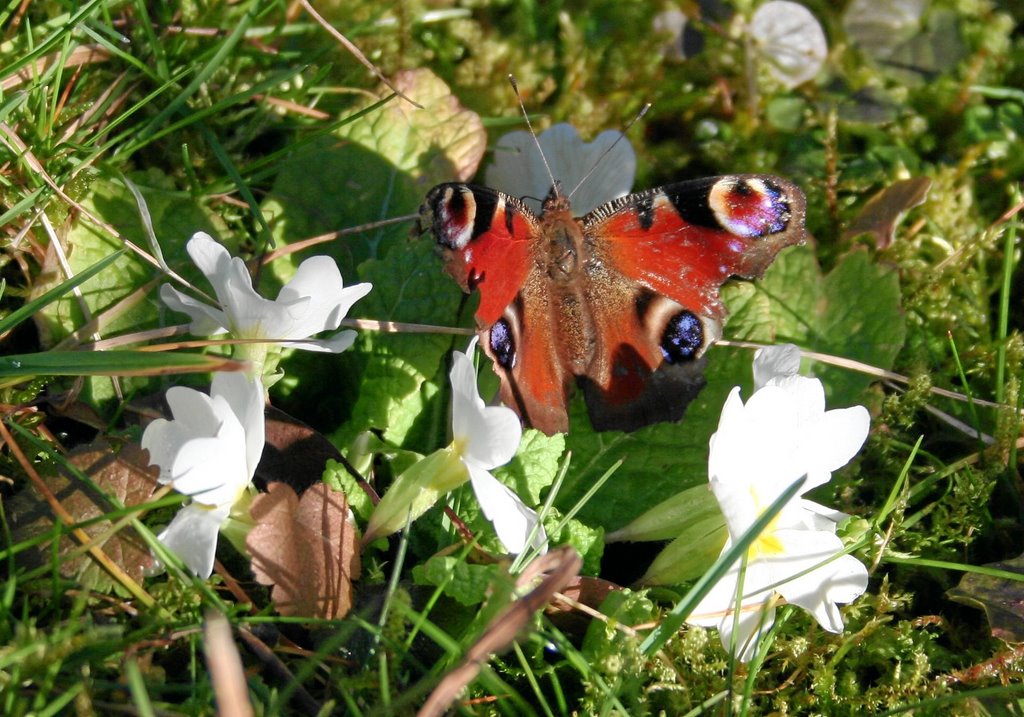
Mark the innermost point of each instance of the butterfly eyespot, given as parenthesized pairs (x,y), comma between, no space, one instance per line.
(683,338)
(750,207)
(454,217)
(502,345)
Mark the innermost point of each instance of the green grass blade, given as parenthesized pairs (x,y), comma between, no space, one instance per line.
(112,363)
(29,309)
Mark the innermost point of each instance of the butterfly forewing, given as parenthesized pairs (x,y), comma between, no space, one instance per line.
(685,240)
(484,237)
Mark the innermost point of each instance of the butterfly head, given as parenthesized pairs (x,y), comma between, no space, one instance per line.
(556,200)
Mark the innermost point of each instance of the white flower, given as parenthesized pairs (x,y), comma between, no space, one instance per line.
(518,169)
(208,451)
(790,39)
(487,437)
(782,434)
(313,301)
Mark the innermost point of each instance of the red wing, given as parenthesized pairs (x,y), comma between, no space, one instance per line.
(683,241)
(485,238)
(524,346)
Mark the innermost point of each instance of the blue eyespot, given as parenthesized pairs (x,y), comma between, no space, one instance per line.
(683,337)
(502,346)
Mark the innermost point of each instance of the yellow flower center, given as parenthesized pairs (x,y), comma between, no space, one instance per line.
(767,544)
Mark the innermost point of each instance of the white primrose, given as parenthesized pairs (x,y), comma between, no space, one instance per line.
(782,434)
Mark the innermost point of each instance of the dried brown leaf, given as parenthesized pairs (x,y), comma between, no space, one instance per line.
(121,473)
(307,548)
(1002,598)
(884,210)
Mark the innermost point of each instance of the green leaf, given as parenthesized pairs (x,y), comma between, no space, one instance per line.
(364,187)
(442,142)
(465,583)
(384,163)
(689,555)
(175,215)
(401,378)
(415,491)
(861,319)
(534,466)
(665,520)
(587,540)
(29,309)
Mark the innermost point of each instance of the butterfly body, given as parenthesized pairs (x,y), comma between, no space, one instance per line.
(621,302)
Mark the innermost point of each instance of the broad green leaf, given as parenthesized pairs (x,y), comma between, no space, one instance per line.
(29,309)
(175,216)
(377,167)
(587,540)
(534,467)
(333,184)
(465,583)
(403,374)
(442,142)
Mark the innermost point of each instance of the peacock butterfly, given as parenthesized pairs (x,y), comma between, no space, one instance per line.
(622,302)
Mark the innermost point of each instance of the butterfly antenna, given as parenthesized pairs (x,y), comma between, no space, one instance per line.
(529,125)
(622,136)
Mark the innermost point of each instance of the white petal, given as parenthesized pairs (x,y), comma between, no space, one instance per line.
(247,402)
(755,620)
(206,320)
(493,438)
(833,440)
(192,535)
(760,445)
(211,258)
(775,362)
(513,520)
(194,418)
(163,439)
(319,279)
(571,160)
(819,517)
(212,470)
(839,580)
(232,284)
(333,344)
(718,609)
(491,434)
(519,170)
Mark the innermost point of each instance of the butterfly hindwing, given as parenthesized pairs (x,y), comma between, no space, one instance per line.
(674,247)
